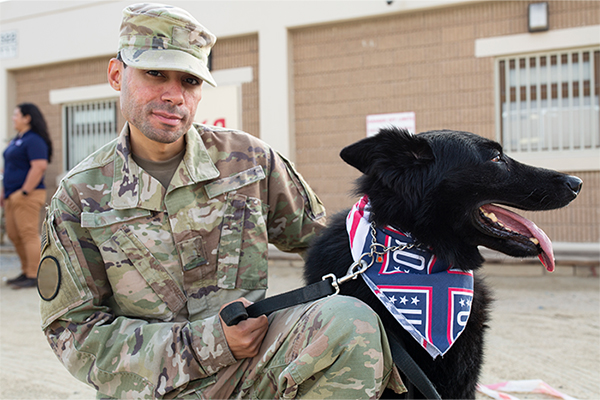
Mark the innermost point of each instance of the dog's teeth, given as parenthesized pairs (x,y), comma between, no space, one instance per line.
(492,216)
(534,241)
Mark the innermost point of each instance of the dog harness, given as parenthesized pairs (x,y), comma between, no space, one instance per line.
(429,298)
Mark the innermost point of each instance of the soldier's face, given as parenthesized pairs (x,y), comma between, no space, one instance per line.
(159,104)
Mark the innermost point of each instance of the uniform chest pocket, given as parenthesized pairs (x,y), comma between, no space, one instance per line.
(141,286)
(242,252)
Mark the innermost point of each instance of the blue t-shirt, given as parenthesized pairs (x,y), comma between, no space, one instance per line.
(17,157)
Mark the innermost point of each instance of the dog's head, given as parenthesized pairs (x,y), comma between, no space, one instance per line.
(445,187)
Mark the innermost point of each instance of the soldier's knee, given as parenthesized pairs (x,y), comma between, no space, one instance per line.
(348,305)
(349,316)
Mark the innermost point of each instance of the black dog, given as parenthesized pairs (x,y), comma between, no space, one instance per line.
(438,188)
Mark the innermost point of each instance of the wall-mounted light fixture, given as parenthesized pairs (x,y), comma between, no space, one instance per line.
(538,17)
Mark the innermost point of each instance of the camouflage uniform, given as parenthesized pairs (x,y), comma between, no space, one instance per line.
(142,271)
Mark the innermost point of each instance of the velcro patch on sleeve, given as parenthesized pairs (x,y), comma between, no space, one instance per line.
(58,284)
(49,278)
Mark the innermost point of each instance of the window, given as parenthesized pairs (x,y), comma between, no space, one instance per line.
(549,102)
(88,126)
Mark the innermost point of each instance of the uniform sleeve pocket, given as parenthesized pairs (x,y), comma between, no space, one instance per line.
(58,284)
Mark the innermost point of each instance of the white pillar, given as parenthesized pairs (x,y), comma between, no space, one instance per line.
(274,89)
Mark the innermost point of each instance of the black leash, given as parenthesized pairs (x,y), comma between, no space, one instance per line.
(235,312)
(410,369)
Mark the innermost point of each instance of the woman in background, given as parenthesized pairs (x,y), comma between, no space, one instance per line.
(24,194)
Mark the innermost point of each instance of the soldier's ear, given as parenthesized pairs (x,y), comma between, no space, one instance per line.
(115,74)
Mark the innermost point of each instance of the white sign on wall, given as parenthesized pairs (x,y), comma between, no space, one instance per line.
(404,120)
(8,44)
(221,106)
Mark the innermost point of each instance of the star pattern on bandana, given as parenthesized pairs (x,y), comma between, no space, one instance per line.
(465,302)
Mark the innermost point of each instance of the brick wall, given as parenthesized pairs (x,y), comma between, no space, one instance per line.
(422,62)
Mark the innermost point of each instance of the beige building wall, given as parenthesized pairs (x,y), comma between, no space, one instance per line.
(422,62)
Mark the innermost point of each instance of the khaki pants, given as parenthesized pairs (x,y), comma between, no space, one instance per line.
(22,216)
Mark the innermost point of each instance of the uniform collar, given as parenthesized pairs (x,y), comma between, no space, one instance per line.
(134,188)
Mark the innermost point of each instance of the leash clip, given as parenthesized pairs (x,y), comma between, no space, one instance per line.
(334,283)
(357,268)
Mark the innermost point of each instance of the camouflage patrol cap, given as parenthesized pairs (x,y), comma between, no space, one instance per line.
(158,36)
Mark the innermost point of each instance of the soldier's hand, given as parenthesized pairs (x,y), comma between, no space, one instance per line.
(245,338)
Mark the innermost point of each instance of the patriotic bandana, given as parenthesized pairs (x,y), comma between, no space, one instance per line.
(430,299)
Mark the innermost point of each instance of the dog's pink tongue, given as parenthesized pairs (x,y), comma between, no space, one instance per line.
(525,227)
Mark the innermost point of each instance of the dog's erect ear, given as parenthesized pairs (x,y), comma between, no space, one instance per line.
(393,145)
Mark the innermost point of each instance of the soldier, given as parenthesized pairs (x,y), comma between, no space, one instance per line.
(149,237)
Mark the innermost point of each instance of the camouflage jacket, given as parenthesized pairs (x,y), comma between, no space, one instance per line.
(142,270)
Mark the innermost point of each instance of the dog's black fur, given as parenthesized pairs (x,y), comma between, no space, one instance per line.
(432,185)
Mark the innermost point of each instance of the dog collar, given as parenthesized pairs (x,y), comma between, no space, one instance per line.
(428,297)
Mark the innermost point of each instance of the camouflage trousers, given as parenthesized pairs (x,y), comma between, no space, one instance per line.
(334,348)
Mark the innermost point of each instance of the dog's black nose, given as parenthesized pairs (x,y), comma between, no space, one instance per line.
(574,183)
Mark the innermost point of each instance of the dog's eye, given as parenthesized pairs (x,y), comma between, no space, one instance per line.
(497,158)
